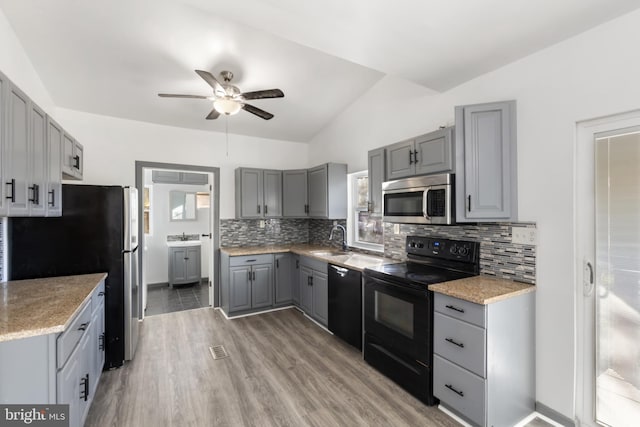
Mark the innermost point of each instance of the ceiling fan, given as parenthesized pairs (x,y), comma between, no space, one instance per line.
(227,98)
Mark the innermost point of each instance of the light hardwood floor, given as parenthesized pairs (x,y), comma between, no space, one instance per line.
(282,370)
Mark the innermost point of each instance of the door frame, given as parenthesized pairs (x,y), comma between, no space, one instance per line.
(214,282)
(584,250)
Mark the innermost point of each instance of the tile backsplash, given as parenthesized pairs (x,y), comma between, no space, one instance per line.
(498,256)
(247,232)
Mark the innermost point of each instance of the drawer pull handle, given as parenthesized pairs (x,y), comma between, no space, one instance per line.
(454,308)
(458,392)
(83,326)
(100,293)
(454,342)
(251,260)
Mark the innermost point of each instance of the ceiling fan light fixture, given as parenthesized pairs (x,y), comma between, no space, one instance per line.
(227,106)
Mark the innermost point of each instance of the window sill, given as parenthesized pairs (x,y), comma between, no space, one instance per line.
(368,247)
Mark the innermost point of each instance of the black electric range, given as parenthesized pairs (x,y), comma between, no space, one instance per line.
(399,309)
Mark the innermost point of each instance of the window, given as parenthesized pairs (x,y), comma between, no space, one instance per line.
(365,230)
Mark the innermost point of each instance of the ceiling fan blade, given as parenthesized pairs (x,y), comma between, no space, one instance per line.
(174,95)
(257,111)
(208,77)
(213,115)
(261,94)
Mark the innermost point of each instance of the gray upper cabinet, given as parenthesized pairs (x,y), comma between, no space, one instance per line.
(425,154)
(258,193)
(328,191)
(400,160)
(72,158)
(3,108)
(16,153)
(54,170)
(486,162)
(376,168)
(194,178)
(434,152)
(294,193)
(38,158)
(284,274)
(175,177)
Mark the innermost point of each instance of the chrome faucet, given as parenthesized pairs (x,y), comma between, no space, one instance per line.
(184,237)
(344,235)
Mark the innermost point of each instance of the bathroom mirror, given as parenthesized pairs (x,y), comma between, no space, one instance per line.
(182,206)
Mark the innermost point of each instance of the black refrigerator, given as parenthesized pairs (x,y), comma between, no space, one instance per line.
(97,232)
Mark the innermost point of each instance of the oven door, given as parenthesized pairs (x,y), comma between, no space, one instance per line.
(399,317)
(405,206)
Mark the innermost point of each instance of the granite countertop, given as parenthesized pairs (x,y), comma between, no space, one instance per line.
(35,307)
(353,260)
(482,289)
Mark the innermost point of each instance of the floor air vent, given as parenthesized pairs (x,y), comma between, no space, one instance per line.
(218,352)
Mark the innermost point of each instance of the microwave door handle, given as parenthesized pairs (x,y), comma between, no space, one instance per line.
(425,211)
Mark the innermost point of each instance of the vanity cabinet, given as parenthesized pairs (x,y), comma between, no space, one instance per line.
(184,264)
(246,283)
(426,154)
(258,193)
(314,289)
(483,363)
(486,162)
(294,193)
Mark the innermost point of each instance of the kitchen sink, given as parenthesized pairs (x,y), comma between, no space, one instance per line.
(329,253)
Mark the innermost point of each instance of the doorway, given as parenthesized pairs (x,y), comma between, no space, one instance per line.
(179,212)
(608,271)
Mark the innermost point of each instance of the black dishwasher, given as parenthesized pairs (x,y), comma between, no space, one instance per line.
(345,304)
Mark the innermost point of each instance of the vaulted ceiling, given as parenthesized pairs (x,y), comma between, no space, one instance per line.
(113,57)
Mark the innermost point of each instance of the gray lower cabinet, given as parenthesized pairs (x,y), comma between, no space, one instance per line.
(61,368)
(376,175)
(484,366)
(284,278)
(314,289)
(184,265)
(294,193)
(486,162)
(295,279)
(426,154)
(246,283)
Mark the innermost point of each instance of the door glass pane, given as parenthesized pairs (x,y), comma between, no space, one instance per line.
(394,313)
(618,279)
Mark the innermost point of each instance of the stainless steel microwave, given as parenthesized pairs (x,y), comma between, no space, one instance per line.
(425,199)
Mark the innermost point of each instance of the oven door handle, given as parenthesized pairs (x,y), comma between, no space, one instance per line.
(425,197)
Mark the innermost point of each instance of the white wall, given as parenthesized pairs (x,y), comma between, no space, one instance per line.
(591,75)
(156,250)
(112,145)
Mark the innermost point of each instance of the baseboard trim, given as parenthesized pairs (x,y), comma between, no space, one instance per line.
(553,417)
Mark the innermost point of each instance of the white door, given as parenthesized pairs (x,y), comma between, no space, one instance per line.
(608,271)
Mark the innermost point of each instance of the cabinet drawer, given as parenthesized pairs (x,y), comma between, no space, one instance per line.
(237,261)
(460,309)
(459,389)
(68,339)
(460,342)
(97,297)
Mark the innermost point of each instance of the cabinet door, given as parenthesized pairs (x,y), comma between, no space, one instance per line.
(399,159)
(78,159)
(261,285)
(68,161)
(177,265)
(86,378)
(306,290)
(68,389)
(38,162)
(272,193)
(16,156)
(250,195)
(239,288)
(194,178)
(4,84)
(295,279)
(54,172)
(294,197)
(489,181)
(284,282)
(434,152)
(318,192)
(376,178)
(192,264)
(165,177)
(99,345)
(320,285)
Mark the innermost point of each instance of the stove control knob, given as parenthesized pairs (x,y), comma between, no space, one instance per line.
(420,245)
(412,244)
(453,249)
(464,250)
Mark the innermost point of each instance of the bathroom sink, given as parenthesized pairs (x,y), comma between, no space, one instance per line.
(180,243)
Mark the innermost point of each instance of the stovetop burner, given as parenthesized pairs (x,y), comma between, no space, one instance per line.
(416,274)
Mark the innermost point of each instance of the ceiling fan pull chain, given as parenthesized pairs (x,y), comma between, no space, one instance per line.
(226,132)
